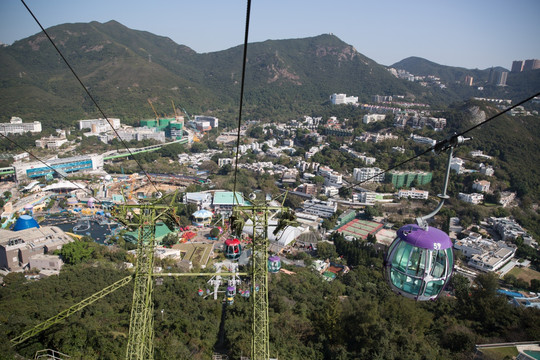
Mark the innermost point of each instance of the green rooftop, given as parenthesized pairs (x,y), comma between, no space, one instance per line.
(227,198)
(161,231)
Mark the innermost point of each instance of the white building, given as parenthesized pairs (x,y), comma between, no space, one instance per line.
(365,197)
(323,209)
(423,140)
(474,198)
(484,254)
(225,161)
(212,121)
(457,164)
(99,125)
(481,185)
(338,99)
(486,170)
(506,198)
(52,142)
(330,191)
(479,153)
(369,118)
(413,194)
(142,133)
(508,229)
(367,175)
(201,199)
(16,126)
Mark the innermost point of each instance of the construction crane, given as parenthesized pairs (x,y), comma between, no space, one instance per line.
(150,102)
(174,109)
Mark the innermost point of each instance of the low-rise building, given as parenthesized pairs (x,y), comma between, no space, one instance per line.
(320,208)
(457,164)
(99,125)
(507,228)
(369,118)
(330,191)
(367,175)
(486,170)
(16,126)
(225,161)
(17,247)
(46,262)
(201,199)
(338,99)
(35,169)
(506,198)
(484,254)
(413,194)
(481,185)
(51,142)
(474,198)
(407,178)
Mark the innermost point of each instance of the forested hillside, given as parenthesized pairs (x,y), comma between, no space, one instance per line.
(123,68)
(355,316)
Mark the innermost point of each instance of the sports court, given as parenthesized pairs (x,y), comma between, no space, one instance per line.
(360,229)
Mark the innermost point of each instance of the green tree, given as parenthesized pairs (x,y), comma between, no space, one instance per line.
(319,180)
(76,252)
(169,240)
(198,147)
(326,251)
(370,212)
(214,232)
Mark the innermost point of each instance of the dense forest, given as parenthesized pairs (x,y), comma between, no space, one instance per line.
(355,316)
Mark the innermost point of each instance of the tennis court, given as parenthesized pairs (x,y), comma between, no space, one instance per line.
(360,228)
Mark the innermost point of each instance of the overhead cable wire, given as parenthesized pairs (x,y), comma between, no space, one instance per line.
(440,145)
(244,61)
(89,94)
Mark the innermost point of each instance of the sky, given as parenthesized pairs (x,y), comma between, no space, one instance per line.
(466,33)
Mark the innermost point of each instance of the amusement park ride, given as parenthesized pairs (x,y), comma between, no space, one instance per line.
(418,266)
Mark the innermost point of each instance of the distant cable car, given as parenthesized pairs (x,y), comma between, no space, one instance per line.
(419,262)
(274,264)
(200,292)
(233,248)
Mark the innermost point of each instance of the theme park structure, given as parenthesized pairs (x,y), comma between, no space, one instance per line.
(144,217)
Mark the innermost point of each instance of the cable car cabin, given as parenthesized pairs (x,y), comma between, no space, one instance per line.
(233,249)
(231,291)
(274,264)
(419,262)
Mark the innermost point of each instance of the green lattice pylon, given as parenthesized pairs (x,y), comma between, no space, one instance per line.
(259,217)
(141,325)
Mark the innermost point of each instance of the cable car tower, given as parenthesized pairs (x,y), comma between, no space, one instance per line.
(258,217)
(141,324)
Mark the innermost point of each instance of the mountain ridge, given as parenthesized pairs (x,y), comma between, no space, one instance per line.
(123,68)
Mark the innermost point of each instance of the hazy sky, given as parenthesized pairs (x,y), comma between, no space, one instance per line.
(467,33)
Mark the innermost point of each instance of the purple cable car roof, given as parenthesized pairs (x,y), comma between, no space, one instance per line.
(274,258)
(426,239)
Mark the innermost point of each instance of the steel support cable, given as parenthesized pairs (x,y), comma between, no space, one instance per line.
(440,145)
(88,93)
(244,61)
